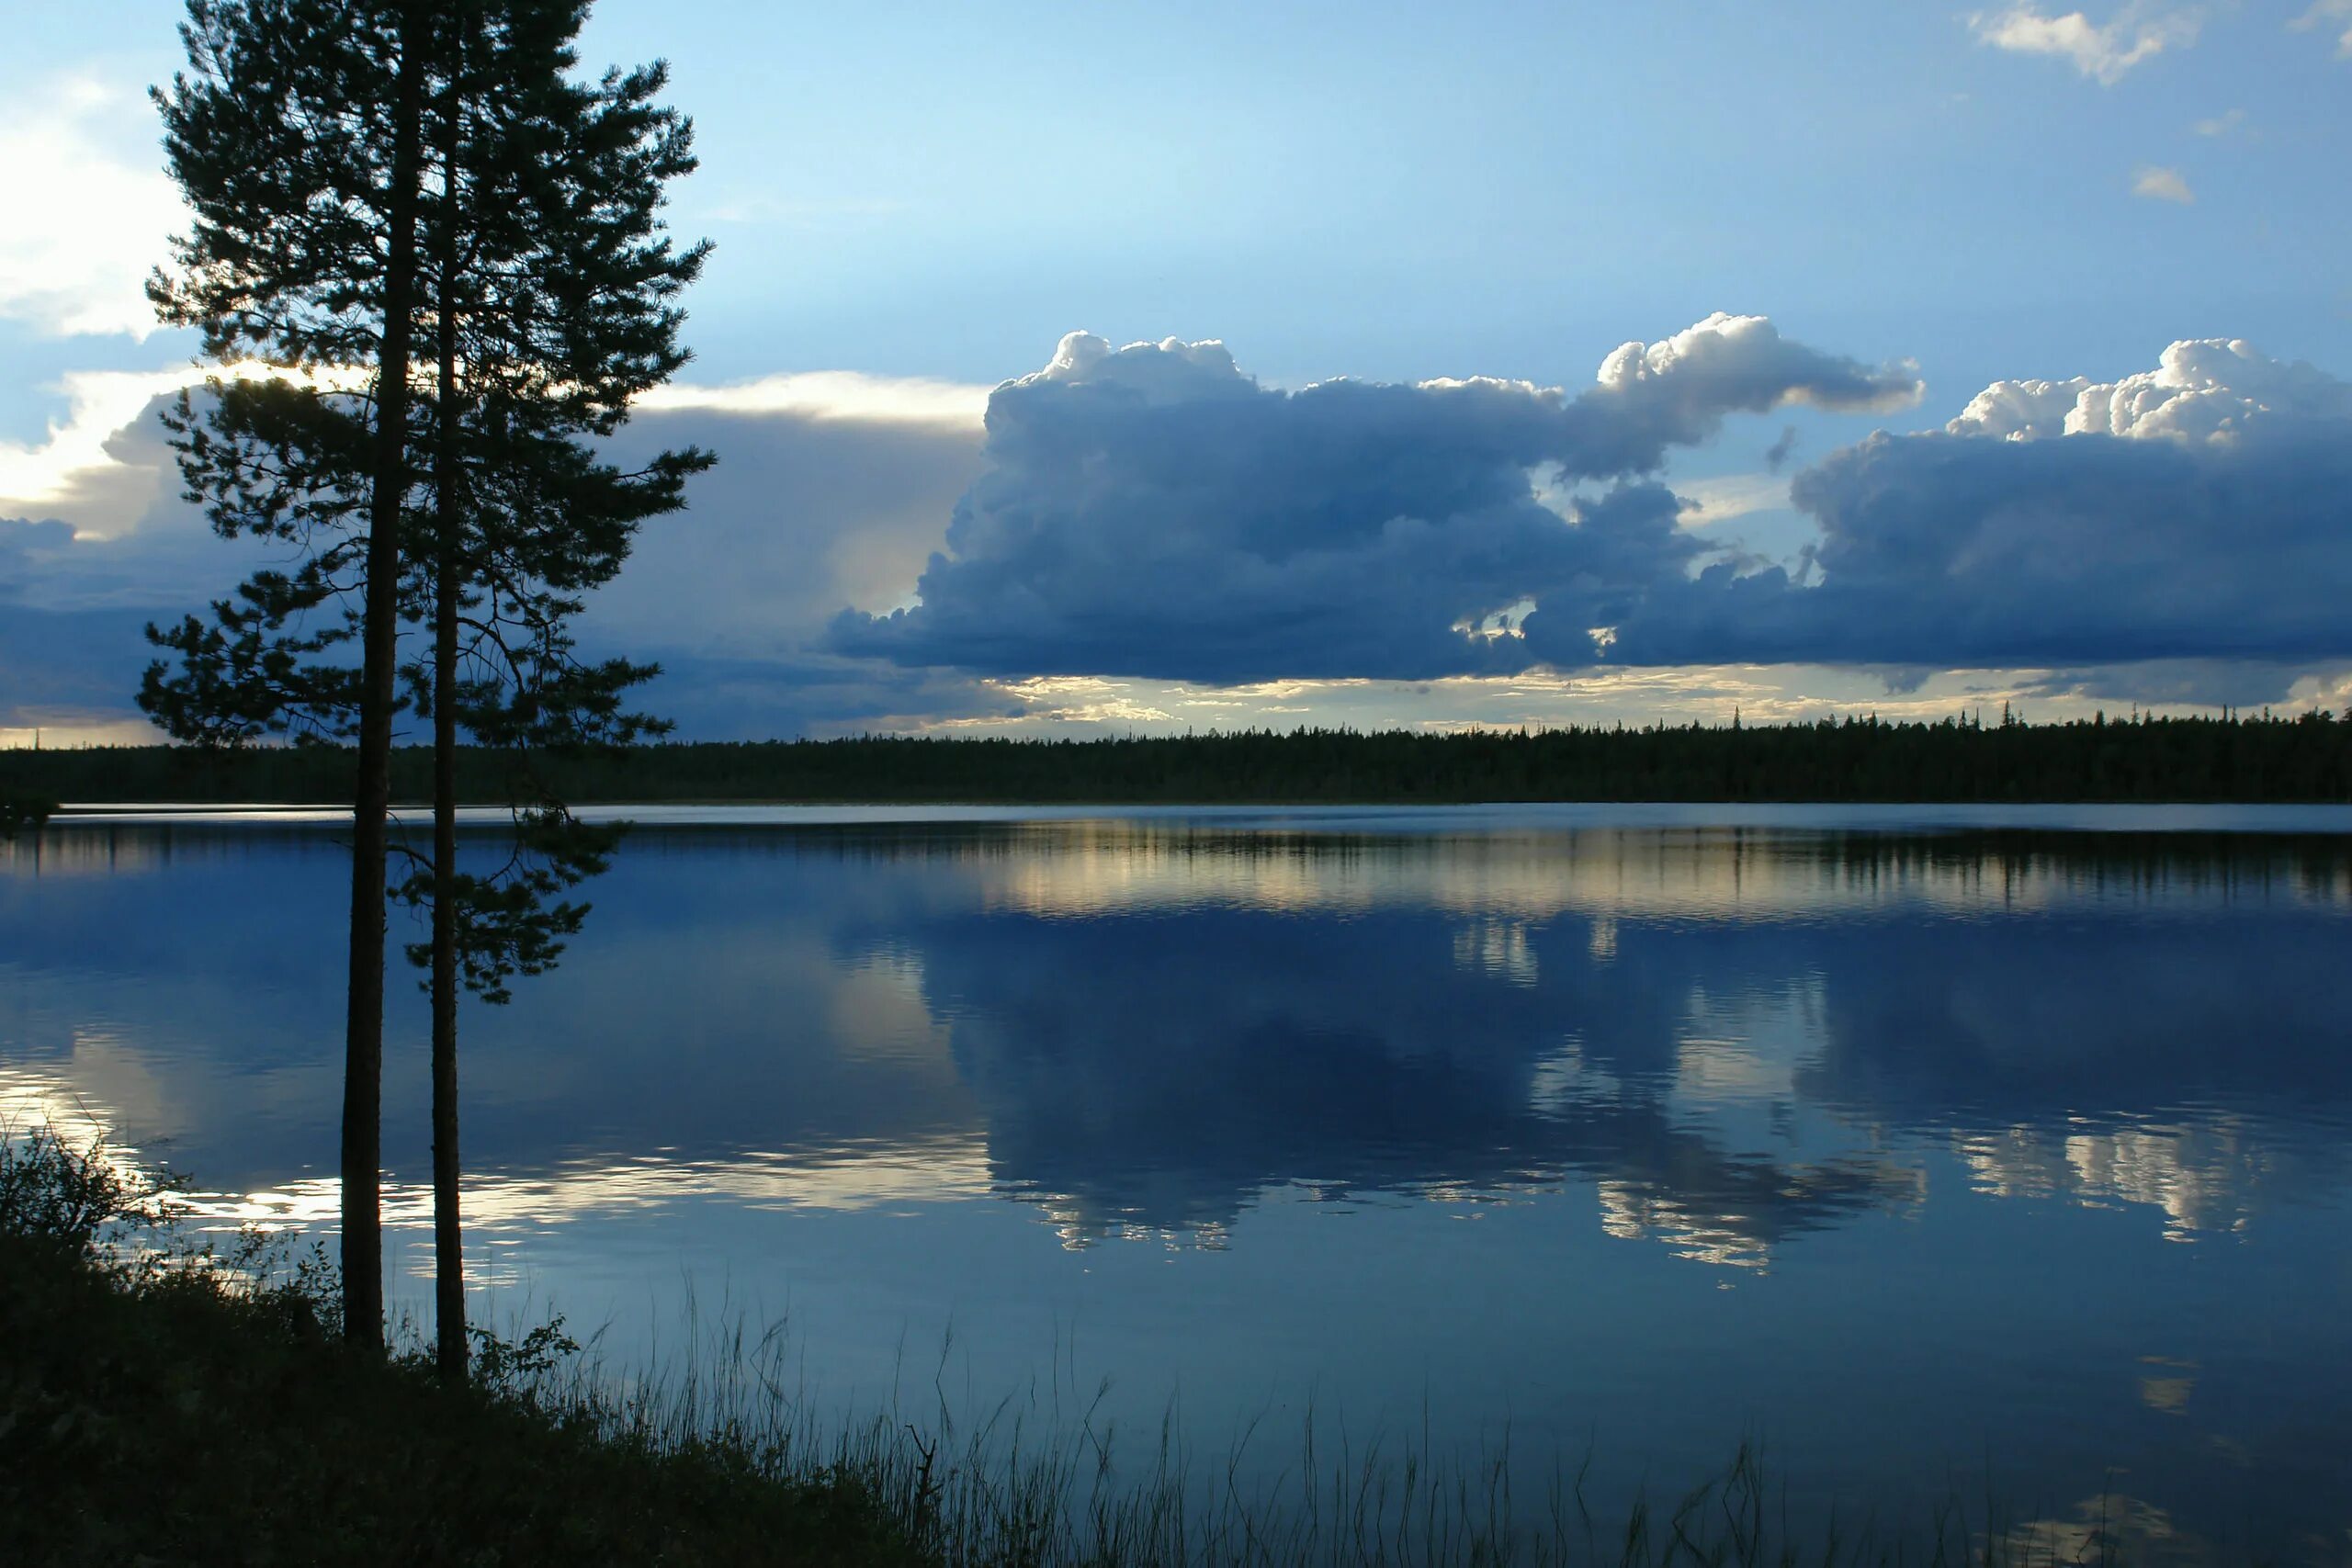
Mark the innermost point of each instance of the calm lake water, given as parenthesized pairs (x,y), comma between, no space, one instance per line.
(1912,1143)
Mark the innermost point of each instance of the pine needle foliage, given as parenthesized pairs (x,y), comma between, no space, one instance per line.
(431,306)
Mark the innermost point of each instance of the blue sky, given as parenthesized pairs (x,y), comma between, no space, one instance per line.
(925,199)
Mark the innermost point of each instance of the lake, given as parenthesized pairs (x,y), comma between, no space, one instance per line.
(1935,1149)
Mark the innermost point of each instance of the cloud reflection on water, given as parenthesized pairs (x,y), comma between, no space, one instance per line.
(1759,1120)
(1731,1036)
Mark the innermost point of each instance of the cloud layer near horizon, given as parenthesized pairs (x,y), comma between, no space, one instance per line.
(830,491)
(1152,510)
(1144,534)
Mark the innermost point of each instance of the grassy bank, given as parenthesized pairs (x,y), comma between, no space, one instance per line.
(186,1410)
(163,1402)
(2241,760)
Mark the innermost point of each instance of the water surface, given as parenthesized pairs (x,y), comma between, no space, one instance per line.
(1910,1140)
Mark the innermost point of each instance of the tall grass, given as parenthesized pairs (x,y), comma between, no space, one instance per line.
(1041,1480)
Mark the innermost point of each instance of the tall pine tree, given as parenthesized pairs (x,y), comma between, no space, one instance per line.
(554,304)
(538,275)
(294,135)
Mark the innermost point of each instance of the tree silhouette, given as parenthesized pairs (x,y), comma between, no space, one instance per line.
(542,280)
(2256,759)
(20,812)
(303,176)
(553,292)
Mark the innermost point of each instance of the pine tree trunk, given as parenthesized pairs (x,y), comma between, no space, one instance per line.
(363,1062)
(448,1239)
(448,1233)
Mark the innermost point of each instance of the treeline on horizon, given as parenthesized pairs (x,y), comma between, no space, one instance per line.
(2262,758)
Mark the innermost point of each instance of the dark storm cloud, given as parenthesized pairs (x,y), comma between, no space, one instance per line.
(2189,682)
(1951,550)
(2178,535)
(23,542)
(1153,512)
(762,698)
(2197,512)
(59,666)
(71,642)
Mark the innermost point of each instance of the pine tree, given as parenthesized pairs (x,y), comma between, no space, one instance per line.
(302,175)
(537,262)
(554,304)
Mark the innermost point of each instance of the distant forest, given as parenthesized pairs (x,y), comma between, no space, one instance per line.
(2257,758)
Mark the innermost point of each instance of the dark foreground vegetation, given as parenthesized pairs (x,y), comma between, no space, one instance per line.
(193,1409)
(163,1401)
(2252,760)
(18,813)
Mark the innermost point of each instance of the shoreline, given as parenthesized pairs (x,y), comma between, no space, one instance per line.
(1381,817)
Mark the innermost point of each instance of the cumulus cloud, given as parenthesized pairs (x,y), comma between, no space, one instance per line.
(116,529)
(2201,390)
(808,509)
(1156,522)
(80,465)
(1152,509)
(91,209)
(2198,511)
(2104,52)
(2159,184)
(1742,362)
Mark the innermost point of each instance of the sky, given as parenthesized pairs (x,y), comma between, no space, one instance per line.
(1079,368)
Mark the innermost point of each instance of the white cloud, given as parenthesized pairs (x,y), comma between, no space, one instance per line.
(1743,362)
(2204,389)
(2331,15)
(2329,689)
(1545,698)
(2021,410)
(2221,124)
(1726,496)
(2159,184)
(85,470)
(1065,700)
(1170,371)
(831,395)
(80,471)
(36,477)
(2102,52)
(86,220)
